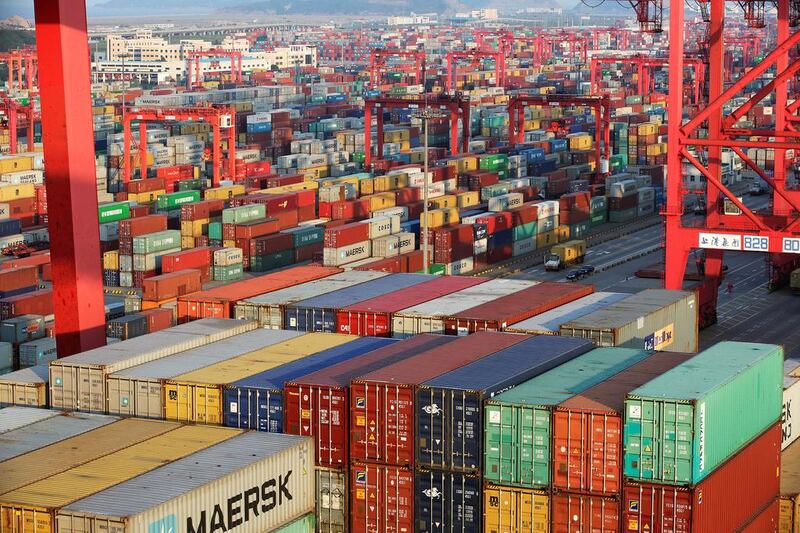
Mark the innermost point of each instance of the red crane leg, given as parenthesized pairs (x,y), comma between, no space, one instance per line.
(216,157)
(142,150)
(71,186)
(367,136)
(379,121)
(453,131)
(781,96)
(12,128)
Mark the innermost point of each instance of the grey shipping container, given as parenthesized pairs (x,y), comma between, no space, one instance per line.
(449,407)
(22,329)
(332,510)
(16,417)
(319,313)
(653,319)
(38,352)
(267,478)
(77,382)
(268,308)
(139,391)
(548,323)
(27,387)
(429,317)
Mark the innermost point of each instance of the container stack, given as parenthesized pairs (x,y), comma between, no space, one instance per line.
(228,264)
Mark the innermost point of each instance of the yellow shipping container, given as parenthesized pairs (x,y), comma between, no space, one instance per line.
(547,238)
(194,228)
(382,184)
(314,172)
(32,508)
(398,180)
(304,186)
(111,260)
(787,520)
(468,198)
(381,200)
(224,193)
(229,243)
(440,202)
(647,128)
(13,192)
(197,396)
(563,233)
(187,242)
(416,156)
(366,186)
(146,197)
(440,217)
(580,142)
(13,163)
(515,510)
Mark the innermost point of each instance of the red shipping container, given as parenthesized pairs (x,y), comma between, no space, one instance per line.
(171,285)
(257,228)
(767,521)
(139,277)
(381,499)
(133,227)
(499,253)
(195,258)
(138,211)
(219,302)
(46,272)
(317,404)
(306,212)
(17,278)
(202,209)
(286,219)
(412,261)
(307,253)
(572,217)
(496,222)
(573,200)
(382,402)
(625,202)
(280,181)
(407,195)
(157,319)
(498,314)
(524,214)
(31,303)
(346,234)
(388,264)
(32,260)
(584,512)
(726,500)
(373,317)
(17,208)
(587,429)
(270,244)
(453,243)
(146,185)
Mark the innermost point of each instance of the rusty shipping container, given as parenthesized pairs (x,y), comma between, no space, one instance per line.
(381,498)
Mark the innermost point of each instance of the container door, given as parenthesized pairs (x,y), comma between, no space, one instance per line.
(656,509)
(431,509)
(270,412)
(179,402)
(149,399)
(121,397)
(499,445)
(332,513)
(572,512)
(432,413)
(235,408)
(331,422)
(465,431)
(365,421)
(398,411)
(604,436)
(569,450)
(532,436)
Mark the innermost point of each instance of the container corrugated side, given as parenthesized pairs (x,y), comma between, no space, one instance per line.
(305,524)
(447,501)
(429,316)
(381,498)
(251,482)
(584,512)
(139,391)
(197,396)
(515,509)
(77,382)
(653,319)
(333,514)
(707,408)
(449,407)
(517,435)
(33,506)
(790,489)
(268,308)
(25,387)
(74,451)
(15,417)
(791,399)
(49,431)
(549,322)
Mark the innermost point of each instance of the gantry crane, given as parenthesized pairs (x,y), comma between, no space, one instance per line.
(220,118)
(379,56)
(576,44)
(601,105)
(194,74)
(456,105)
(475,56)
(13,111)
(622,36)
(22,65)
(504,38)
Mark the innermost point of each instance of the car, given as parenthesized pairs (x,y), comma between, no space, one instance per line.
(756,189)
(574,275)
(586,270)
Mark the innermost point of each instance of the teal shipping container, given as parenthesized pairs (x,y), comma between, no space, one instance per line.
(304,524)
(685,423)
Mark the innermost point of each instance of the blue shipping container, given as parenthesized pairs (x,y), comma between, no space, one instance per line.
(256,402)
(10,226)
(447,501)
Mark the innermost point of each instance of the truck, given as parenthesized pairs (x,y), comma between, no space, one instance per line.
(564,254)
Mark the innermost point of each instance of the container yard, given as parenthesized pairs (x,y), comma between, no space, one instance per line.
(381,267)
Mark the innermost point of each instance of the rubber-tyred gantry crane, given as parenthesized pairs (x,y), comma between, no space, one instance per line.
(378,58)
(194,75)
(621,35)
(456,105)
(645,65)
(22,65)
(13,111)
(504,38)
(220,118)
(474,57)
(601,105)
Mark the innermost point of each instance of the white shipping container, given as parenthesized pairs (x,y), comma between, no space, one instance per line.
(480,246)
(346,254)
(791,399)
(10,240)
(525,246)
(145,262)
(25,176)
(228,256)
(272,472)
(505,201)
(109,231)
(15,417)
(462,266)
(126,278)
(23,387)
(548,209)
(381,226)
(400,210)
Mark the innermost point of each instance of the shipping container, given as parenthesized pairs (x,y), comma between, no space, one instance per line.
(584,512)
(256,402)
(196,396)
(268,309)
(332,513)
(305,524)
(373,317)
(517,436)
(78,382)
(587,428)
(790,489)
(429,317)
(653,319)
(319,313)
(139,390)
(249,482)
(26,387)
(381,498)
(726,500)
(515,510)
(15,417)
(382,414)
(711,406)
(791,399)
(447,501)
(449,407)
(33,506)
(498,314)
(319,404)
(548,323)
(768,520)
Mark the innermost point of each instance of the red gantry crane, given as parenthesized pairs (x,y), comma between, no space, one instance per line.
(220,118)
(474,57)
(194,75)
(456,105)
(22,65)
(378,58)
(12,111)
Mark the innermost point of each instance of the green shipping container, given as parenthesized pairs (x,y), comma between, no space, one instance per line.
(304,524)
(175,200)
(215,231)
(517,431)
(227,273)
(498,189)
(579,230)
(113,211)
(524,231)
(244,213)
(437,269)
(601,217)
(190,185)
(359,157)
(685,423)
(264,263)
(157,242)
